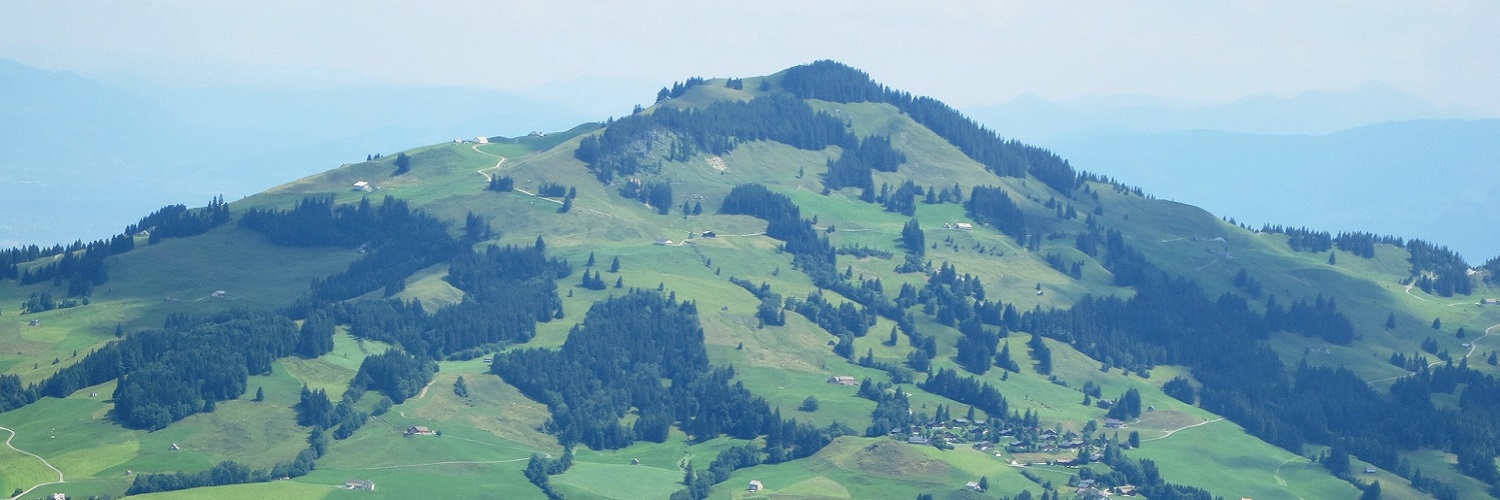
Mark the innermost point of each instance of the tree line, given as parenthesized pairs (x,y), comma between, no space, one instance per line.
(836,82)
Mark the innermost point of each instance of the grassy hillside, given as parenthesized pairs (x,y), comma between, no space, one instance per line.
(489,434)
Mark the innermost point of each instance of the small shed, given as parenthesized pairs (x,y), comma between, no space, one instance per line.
(756,485)
(359,484)
(842,380)
(966,226)
(663,241)
(710,234)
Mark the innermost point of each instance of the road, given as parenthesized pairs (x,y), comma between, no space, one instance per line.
(1473,345)
(38,457)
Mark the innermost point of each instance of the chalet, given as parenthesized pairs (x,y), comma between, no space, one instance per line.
(1049,433)
(218,294)
(1490,302)
(756,485)
(843,380)
(418,430)
(663,241)
(359,484)
(1114,423)
(35,322)
(965,226)
(1127,490)
(973,485)
(918,439)
(1369,470)
(710,234)
(1073,445)
(363,186)
(482,140)
(174,447)
(635,461)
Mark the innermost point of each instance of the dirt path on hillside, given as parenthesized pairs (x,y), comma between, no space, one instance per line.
(1282,482)
(1185,427)
(1408,291)
(49,465)
(487,177)
(1473,346)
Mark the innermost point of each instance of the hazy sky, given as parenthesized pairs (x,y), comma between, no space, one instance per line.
(966,53)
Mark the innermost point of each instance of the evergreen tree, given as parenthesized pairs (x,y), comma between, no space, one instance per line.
(1390,321)
(1371,492)
(614,265)
(460,388)
(1437,323)
(260,394)
(403,164)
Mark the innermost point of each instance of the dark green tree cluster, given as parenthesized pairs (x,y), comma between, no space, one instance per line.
(656,194)
(82,267)
(1438,270)
(507,290)
(626,346)
(1127,407)
(396,242)
(501,184)
(913,238)
(715,129)
(1320,318)
(395,373)
(993,206)
(833,81)
(967,390)
(854,167)
(402,163)
(1180,389)
(678,89)
(182,369)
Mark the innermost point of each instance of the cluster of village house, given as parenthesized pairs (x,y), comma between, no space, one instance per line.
(983,436)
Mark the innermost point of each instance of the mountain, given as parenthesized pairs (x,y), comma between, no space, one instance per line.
(113,149)
(805,285)
(1414,178)
(1033,119)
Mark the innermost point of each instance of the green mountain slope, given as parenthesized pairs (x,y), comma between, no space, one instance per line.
(401,254)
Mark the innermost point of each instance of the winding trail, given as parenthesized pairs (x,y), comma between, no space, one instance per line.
(1473,345)
(1282,482)
(1174,431)
(487,177)
(49,465)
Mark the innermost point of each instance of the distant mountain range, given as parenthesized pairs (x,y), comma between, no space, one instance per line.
(1373,159)
(79,149)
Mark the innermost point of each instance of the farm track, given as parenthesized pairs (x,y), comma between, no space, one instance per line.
(1473,345)
(44,461)
(1185,427)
